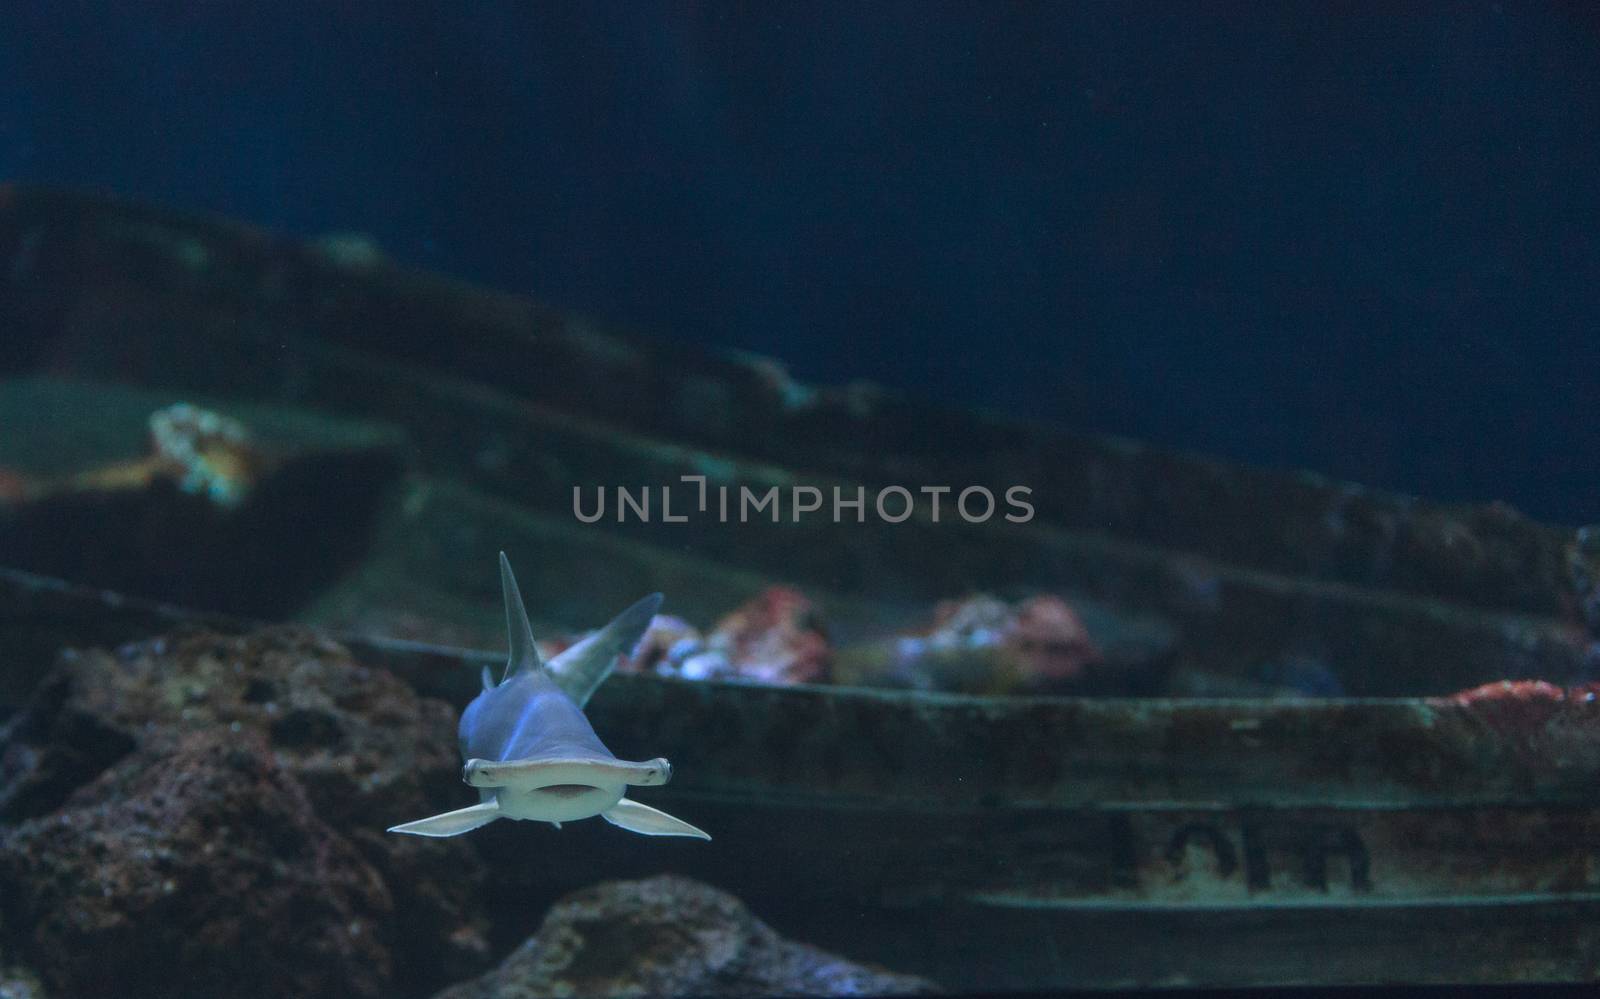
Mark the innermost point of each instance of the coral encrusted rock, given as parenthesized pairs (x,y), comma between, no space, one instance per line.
(671,936)
(364,749)
(198,869)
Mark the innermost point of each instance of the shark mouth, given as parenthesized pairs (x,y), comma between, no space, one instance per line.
(566,790)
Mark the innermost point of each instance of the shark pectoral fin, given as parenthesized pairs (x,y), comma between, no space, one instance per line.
(648,821)
(462,820)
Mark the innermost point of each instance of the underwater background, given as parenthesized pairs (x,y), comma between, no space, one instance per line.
(1360,238)
(1118,479)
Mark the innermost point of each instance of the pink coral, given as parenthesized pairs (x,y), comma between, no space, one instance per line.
(1533,718)
(1050,636)
(981,644)
(776,637)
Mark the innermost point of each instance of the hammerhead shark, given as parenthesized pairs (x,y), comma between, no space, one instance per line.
(530,751)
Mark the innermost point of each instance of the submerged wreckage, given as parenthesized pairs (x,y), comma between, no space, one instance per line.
(1335,736)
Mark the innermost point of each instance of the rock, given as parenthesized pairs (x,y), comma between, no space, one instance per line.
(1533,719)
(776,638)
(367,751)
(673,647)
(195,869)
(670,936)
(978,644)
(664,644)
(1051,640)
(981,644)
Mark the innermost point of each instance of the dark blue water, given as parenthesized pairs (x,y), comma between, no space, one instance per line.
(1350,237)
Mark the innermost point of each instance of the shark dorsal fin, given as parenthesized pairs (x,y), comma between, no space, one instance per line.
(524,654)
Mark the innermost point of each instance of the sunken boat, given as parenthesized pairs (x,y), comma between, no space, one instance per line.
(1351,736)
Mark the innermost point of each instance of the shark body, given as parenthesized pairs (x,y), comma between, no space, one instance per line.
(528,747)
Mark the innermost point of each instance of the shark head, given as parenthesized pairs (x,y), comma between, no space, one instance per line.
(528,747)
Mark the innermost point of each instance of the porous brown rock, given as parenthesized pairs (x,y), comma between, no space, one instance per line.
(366,750)
(671,936)
(196,868)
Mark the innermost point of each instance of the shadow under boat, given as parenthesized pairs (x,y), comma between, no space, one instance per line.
(1395,833)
